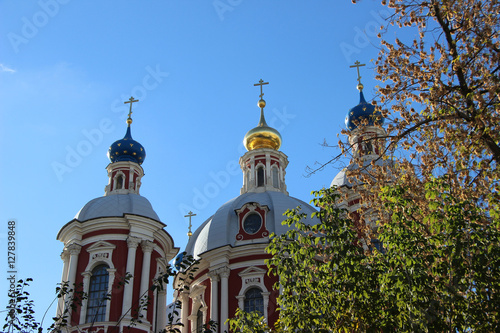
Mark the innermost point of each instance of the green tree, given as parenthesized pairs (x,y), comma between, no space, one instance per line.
(441,267)
(325,281)
(436,272)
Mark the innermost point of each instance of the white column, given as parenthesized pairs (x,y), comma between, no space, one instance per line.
(86,282)
(147,248)
(160,315)
(184,311)
(162,310)
(224,299)
(130,184)
(265,296)
(74,251)
(132,243)
(64,278)
(269,181)
(65,259)
(253,176)
(214,295)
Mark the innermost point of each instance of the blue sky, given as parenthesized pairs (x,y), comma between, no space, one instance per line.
(67,66)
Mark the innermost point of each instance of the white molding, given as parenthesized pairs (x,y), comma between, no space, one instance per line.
(197,294)
(99,253)
(138,226)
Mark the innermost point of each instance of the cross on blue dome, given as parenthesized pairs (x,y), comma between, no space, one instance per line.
(127,149)
(364,113)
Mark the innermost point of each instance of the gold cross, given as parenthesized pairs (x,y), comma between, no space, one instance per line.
(190,214)
(357,64)
(131,100)
(261,83)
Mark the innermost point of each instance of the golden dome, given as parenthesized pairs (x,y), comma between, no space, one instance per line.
(262,136)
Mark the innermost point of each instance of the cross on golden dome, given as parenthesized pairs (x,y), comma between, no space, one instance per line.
(261,83)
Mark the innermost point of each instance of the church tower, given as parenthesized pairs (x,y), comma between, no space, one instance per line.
(113,249)
(231,243)
(364,124)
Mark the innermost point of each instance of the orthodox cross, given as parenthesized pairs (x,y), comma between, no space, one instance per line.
(190,214)
(131,100)
(357,64)
(261,83)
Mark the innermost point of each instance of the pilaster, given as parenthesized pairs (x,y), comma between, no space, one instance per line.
(147,248)
(132,243)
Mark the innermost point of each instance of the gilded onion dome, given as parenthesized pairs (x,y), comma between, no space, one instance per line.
(262,136)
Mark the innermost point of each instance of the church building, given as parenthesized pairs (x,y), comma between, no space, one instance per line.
(117,244)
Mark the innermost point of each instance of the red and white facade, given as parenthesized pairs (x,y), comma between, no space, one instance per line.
(112,237)
(119,237)
(231,244)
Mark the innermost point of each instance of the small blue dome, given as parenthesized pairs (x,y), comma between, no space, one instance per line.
(363,111)
(178,261)
(127,149)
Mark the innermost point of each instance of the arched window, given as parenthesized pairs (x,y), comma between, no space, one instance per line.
(97,297)
(260,176)
(275,178)
(254,301)
(199,321)
(119,182)
(368,147)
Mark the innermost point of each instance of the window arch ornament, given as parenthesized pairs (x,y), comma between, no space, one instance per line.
(199,307)
(252,221)
(100,254)
(252,279)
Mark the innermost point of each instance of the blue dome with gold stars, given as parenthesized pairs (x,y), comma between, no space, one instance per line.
(127,149)
(363,114)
